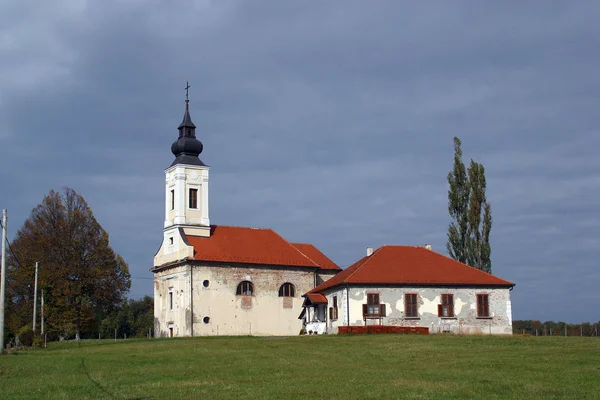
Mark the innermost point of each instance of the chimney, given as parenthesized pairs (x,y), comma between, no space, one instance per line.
(428,246)
(369,251)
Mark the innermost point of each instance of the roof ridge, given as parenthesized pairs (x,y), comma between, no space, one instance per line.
(241,227)
(460,262)
(294,247)
(364,263)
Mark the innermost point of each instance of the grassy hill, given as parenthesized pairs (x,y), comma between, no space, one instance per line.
(331,367)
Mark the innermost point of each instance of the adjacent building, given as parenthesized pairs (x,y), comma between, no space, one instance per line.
(411,286)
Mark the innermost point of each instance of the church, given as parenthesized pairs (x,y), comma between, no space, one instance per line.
(229,280)
(224,280)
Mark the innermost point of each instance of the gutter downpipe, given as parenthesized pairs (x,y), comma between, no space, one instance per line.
(347,307)
(191,300)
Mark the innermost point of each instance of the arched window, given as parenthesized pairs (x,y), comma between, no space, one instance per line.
(287,290)
(245,288)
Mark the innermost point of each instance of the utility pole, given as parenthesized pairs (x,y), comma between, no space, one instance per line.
(35,298)
(42,311)
(2,281)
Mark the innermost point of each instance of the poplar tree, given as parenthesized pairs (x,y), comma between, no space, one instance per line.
(458,204)
(83,279)
(470,212)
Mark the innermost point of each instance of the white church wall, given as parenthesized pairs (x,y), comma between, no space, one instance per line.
(171,302)
(173,248)
(179,179)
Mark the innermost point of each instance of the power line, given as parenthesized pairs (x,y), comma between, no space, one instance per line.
(11,250)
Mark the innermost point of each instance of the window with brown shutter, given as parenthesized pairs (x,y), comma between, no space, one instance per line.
(410,305)
(333,311)
(446,309)
(483,306)
(373,304)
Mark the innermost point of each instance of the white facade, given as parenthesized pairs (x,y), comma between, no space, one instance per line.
(465,320)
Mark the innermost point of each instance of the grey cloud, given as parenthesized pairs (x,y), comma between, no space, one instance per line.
(331,122)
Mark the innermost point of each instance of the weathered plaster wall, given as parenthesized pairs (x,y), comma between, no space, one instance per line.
(177,280)
(264,313)
(465,309)
(325,275)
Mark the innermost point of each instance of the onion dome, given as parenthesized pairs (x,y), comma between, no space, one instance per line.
(187,148)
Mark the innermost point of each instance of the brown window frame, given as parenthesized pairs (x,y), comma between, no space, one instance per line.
(373,303)
(483,305)
(411,308)
(244,287)
(446,307)
(333,311)
(287,290)
(373,307)
(193,199)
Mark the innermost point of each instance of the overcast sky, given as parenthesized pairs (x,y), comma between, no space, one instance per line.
(328,121)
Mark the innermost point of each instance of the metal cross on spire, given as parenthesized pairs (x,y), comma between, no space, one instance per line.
(187,89)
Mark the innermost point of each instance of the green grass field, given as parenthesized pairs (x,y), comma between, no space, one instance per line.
(324,367)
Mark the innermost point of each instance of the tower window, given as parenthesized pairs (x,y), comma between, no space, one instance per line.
(172,199)
(193,198)
(170,298)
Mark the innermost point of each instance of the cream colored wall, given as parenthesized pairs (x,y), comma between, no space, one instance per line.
(178,279)
(261,314)
(465,309)
(170,253)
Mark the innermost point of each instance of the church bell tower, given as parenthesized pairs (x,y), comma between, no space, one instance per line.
(186,193)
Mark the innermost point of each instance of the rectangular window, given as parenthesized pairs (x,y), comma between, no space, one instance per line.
(172,199)
(446,309)
(170,299)
(333,311)
(373,304)
(193,198)
(410,305)
(483,306)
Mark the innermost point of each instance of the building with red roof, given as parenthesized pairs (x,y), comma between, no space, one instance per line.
(224,280)
(411,286)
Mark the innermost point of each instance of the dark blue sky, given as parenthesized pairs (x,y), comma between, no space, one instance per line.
(328,121)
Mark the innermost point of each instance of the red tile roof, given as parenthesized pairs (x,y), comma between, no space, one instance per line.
(410,265)
(316,298)
(316,256)
(249,246)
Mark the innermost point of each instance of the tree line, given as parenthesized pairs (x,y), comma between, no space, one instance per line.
(551,328)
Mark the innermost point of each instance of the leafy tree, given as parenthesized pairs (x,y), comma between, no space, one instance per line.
(82,278)
(471,213)
(133,319)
